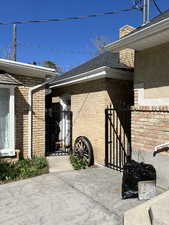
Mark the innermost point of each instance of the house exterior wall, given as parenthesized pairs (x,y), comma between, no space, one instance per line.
(88,103)
(150,114)
(151,67)
(21,117)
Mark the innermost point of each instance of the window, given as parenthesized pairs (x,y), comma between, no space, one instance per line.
(7,115)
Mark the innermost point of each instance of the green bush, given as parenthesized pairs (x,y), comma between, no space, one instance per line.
(22,169)
(78,163)
(40,162)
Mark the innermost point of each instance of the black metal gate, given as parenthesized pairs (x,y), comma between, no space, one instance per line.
(117,137)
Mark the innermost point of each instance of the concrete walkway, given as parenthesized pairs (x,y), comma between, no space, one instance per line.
(86,197)
(59,163)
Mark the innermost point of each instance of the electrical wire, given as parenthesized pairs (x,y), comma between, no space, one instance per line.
(70,18)
(157,7)
(53,49)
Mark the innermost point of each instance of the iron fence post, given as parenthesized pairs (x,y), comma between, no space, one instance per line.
(106,137)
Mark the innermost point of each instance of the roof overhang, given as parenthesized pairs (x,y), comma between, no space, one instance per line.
(102,72)
(148,37)
(25,69)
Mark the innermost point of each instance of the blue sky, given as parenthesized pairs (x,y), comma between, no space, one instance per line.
(67,43)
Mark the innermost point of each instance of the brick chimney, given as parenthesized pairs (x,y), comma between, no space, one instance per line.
(126,55)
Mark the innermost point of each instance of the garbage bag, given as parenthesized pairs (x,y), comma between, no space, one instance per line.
(133,173)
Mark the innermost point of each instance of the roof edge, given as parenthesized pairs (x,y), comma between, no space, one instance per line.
(138,35)
(26,69)
(11,62)
(98,73)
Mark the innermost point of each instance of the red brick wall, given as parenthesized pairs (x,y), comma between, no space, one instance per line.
(149,127)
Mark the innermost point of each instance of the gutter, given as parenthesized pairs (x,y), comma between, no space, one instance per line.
(24,69)
(137,36)
(80,76)
(26,65)
(30,93)
(102,72)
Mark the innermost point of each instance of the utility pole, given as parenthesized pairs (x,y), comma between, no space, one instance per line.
(146,12)
(144,6)
(14,43)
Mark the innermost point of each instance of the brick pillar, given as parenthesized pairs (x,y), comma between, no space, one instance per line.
(126,55)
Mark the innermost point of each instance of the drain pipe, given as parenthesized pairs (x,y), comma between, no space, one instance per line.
(161,148)
(30,93)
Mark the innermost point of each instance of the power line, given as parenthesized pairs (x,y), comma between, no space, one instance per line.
(157,7)
(70,18)
(53,49)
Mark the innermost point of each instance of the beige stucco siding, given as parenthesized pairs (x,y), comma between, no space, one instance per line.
(152,68)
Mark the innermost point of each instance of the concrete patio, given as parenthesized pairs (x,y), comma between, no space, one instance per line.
(86,197)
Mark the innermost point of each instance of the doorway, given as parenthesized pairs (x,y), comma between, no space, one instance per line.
(60,127)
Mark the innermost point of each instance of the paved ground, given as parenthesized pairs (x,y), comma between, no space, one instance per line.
(57,164)
(86,197)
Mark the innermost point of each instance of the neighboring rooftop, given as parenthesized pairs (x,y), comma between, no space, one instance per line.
(25,69)
(107,59)
(6,78)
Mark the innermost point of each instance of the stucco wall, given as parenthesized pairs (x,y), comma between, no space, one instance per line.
(88,103)
(152,68)
(150,122)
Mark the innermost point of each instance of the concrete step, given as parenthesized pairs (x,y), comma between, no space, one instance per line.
(146,213)
(59,163)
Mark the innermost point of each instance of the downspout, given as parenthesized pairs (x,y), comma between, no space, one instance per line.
(30,92)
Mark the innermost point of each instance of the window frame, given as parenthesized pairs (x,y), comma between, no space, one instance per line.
(11,150)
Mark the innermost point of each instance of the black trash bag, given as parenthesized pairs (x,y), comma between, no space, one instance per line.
(132,174)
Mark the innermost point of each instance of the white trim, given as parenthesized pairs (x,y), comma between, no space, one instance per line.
(142,101)
(11,150)
(101,75)
(25,69)
(12,119)
(98,73)
(26,65)
(130,40)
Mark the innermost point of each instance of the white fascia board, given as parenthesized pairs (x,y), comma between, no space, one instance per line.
(11,62)
(102,72)
(32,70)
(131,40)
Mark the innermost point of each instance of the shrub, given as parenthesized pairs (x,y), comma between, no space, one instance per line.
(39,162)
(78,163)
(22,169)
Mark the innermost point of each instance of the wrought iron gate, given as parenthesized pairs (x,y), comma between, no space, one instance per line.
(117,137)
